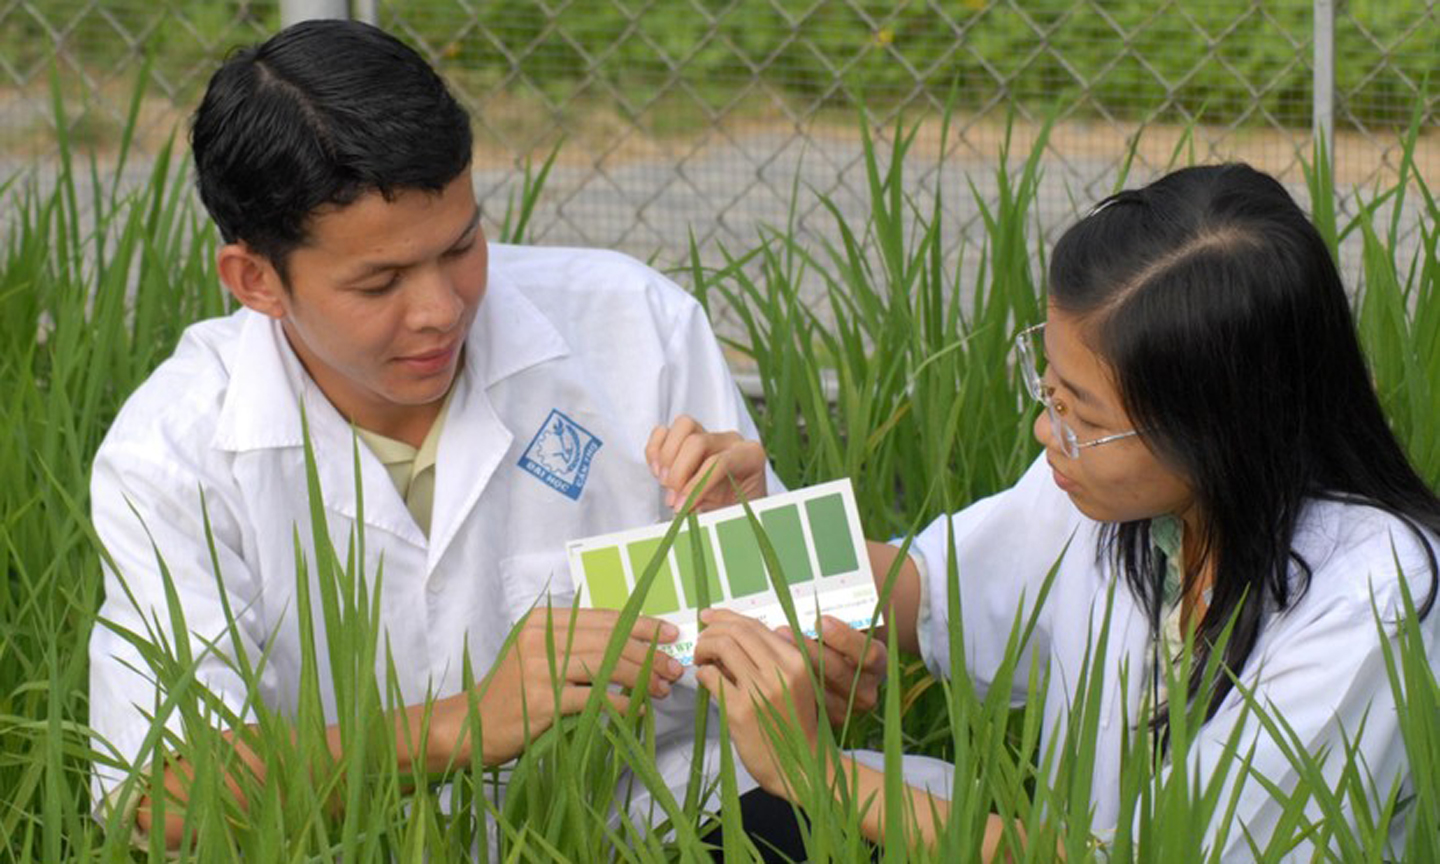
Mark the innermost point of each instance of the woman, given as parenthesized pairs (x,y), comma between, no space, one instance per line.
(1213,447)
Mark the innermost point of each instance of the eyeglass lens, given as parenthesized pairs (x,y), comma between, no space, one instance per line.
(1031,347)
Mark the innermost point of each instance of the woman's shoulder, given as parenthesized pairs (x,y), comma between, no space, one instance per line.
(1025,529)
(1034,501)
(1360,555)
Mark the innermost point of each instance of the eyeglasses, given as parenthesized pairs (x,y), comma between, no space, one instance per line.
(1028,350)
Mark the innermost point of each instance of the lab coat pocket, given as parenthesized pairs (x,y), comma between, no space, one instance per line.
(536,579)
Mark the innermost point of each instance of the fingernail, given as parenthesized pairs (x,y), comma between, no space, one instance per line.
(828,624)
(655,468)
(664,687)
(784,630)
(670,499)
(664,473)
(706,614)
(669,632)
(673,667)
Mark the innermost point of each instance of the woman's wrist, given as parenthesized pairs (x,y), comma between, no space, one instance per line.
(449,737)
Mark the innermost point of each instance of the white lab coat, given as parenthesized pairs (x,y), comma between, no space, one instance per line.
(1319,663)
(610,343)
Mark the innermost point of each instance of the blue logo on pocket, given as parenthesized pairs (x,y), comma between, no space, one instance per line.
(560,454)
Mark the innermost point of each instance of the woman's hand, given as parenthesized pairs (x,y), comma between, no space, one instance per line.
(680,454)
(764,681)
(846,658)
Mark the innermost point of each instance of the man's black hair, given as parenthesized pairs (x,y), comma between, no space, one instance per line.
(318,115)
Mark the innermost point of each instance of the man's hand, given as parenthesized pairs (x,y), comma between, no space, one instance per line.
(762,676)
(518,701)
(847,654)
(680,455)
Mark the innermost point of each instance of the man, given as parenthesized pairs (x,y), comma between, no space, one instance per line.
(502,396)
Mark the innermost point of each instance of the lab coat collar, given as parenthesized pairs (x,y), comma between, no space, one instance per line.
(509,336)
(267,381)
(266,378)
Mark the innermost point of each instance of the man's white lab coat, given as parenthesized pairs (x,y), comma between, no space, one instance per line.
(573,357)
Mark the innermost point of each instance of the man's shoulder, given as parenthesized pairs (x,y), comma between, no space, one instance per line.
(181,399)
(598,281)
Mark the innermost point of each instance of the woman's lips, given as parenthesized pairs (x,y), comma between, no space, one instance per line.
(1062,481)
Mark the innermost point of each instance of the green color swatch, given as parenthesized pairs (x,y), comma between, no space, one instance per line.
(606,575)
(782,526)
(744,568)
(661,598)
(685,557)
(831,530)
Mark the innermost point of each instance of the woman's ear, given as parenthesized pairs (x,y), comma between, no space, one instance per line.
(252,279)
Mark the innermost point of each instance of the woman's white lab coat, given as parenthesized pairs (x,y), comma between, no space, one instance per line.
(1319,663)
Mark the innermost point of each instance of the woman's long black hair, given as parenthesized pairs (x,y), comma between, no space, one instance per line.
(1221,314)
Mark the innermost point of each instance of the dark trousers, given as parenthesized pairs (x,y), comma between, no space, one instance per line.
(771,825)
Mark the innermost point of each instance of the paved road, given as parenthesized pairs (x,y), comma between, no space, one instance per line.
(649,209)
(728,191)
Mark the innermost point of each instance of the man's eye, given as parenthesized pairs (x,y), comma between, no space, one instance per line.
(459,251)
(380,290)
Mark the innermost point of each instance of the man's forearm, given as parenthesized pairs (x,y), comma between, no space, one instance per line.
(442,737)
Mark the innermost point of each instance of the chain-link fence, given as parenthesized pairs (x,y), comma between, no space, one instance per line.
(676,117)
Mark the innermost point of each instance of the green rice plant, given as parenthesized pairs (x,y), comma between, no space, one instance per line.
(876,282)
(560,793)
(1398,313)
(914,369)
(1418,713)
(96,284)
(91,299)
(917,370)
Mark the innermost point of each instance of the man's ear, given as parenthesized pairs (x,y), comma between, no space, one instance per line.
(252,279)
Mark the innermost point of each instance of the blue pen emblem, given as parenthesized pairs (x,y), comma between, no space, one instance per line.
(560,453)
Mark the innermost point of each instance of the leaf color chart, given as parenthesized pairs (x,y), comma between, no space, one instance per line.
(815,533)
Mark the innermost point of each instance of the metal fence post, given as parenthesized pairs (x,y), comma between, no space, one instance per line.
(1323,112)
(294,11)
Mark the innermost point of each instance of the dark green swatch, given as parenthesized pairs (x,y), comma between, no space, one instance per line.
(833,544)
(782,526)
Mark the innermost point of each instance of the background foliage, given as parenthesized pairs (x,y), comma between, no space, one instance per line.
(97,281)
(854,51)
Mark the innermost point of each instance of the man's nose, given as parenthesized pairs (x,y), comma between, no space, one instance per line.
(434,302)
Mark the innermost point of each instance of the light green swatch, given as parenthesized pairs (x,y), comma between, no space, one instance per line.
(662,598)
(606,575)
